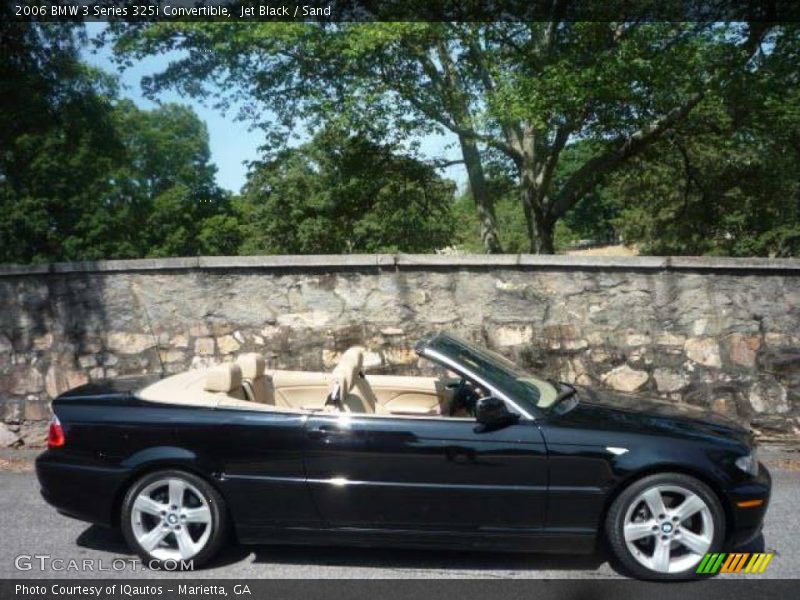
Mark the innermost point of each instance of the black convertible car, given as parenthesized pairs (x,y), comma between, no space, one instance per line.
(487,456)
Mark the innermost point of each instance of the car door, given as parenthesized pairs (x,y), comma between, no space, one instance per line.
(260,456)
(390,472)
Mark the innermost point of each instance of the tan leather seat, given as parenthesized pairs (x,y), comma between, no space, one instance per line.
(351,385)
(257,385)
(225,380)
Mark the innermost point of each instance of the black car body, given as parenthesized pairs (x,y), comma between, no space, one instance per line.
(543,480)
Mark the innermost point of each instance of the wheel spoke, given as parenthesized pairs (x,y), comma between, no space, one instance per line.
(654,502)
(201,514)
(637,531)
(186,545)
(661,554)
(691,505)
(147,505)
(697,543)
(153,538)
(184,517)
(176,490)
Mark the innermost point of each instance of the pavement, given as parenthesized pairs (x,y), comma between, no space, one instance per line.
(31,528)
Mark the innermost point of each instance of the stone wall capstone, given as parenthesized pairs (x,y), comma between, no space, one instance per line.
(722,333)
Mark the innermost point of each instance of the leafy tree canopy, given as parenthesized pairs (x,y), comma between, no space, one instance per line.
(85,176)
(344,193)
(521,91)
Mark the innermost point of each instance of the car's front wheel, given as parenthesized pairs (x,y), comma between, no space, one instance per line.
(173,519)
(661,526)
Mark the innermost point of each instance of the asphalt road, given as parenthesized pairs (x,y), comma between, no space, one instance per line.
(30,527)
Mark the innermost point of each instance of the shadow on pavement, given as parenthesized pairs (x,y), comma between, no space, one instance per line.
(104,539)
(111,540)
(425,559)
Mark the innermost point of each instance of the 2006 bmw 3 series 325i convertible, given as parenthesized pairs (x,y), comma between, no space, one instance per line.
(486,456)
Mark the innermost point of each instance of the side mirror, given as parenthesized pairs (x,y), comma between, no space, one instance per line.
(492,413)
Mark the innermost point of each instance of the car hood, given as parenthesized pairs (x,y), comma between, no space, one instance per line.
(641,412)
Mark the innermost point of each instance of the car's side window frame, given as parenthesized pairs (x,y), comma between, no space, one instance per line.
(467,374)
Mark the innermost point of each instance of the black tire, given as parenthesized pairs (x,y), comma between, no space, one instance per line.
(615,521)
(216,507)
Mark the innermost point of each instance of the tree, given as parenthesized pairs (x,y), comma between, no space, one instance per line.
(166,184)
(84,176)
(343,193)
(58,143)
(725,181)
(525,91)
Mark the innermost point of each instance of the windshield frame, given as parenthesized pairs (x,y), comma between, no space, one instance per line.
(434,347)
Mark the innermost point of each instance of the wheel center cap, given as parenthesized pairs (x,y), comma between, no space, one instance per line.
(666,527)
(172,518)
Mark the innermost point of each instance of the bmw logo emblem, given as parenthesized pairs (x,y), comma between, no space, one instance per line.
(666,527)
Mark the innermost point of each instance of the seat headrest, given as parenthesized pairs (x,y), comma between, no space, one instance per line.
(223,378)
(253,365)
(355,354)
(348,369)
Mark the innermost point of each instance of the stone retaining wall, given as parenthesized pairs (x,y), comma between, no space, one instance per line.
(724,333)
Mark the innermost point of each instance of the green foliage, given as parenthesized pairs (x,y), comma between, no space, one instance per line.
(524,91)
(725,182)
(510,219)
(84,176)
(682,138)
(57,141)
(344,193)
(166,183)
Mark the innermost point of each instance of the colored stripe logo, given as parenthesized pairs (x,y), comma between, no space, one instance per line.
(736,562)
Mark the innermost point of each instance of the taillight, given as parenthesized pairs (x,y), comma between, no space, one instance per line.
(55,435)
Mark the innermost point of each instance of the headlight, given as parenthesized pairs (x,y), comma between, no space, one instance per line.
(749,463)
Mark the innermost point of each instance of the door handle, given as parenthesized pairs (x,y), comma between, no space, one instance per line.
(324,431)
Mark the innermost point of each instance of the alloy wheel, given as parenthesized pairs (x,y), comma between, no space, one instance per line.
(668,528)
(171,520)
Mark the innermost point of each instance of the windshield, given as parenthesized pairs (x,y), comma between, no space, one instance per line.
(524,387)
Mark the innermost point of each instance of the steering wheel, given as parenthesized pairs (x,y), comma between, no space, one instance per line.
(463,397)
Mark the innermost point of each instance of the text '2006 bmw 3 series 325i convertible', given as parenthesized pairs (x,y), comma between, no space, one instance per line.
(485,456)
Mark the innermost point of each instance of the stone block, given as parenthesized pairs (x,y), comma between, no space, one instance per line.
(510,335)
(26,380)
(625,379)
(228,344)
(668,380)
(36,411)
(204,346)
(400,356)
(668,338)
(8,438)
(87,361)
(34,434)
(179,341)
(742,348)
(129,343)
(703,350)
(768,397)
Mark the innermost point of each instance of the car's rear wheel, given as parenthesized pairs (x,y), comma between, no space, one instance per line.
(173,517)
(661,526)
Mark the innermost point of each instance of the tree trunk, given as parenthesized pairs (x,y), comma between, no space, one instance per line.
(483,203)
(527,198)
(540,228)
(545,235)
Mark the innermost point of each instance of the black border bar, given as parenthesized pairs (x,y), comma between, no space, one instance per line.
(719,588)
(232,11)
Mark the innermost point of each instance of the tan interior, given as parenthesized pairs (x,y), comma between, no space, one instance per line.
(248,385)
(258,386)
